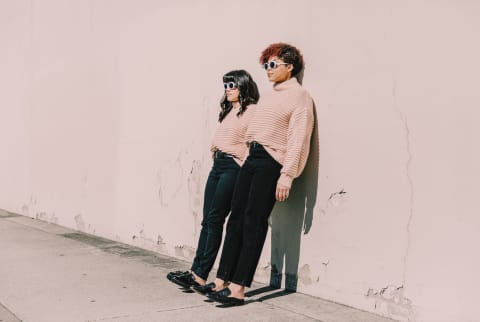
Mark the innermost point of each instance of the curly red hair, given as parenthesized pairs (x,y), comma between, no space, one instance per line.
(288,53)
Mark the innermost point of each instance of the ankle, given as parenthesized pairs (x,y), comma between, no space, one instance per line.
(198,279)
(237,290)
(220,284)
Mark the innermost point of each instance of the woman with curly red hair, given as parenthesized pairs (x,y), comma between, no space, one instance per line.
(279,139)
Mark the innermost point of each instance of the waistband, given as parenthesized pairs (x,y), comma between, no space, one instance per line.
(255,145)
(258,151)
(220,155)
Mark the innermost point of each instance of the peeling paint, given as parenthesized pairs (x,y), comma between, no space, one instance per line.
(160,240)
(326,263)
(79,222)
(337,198)
(336,202)
(24,210)
(304,275)
(161,245)
(341,192)
(53,219)
(392,300)
(142,240)
(29,208)
(41,216)
(184,251)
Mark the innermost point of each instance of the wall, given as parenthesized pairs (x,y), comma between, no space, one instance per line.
(108,108)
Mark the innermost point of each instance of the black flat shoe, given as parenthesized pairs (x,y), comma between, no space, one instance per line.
(204,289)
(176,273)
(211,297)
(223,297)
(186,280)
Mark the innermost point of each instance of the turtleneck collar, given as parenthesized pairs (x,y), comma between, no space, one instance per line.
(292,82)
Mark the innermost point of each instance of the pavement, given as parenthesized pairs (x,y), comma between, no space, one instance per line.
(49,273)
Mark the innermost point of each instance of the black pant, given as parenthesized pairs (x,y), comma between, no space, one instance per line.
(216,206)
(252,203)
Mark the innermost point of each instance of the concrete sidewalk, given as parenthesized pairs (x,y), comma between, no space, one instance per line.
(50,273)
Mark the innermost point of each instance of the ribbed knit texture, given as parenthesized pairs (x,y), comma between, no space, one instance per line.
(283,124)
(230,134)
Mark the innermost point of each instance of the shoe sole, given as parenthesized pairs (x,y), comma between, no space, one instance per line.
(225,305)
(180,283)
(226,302)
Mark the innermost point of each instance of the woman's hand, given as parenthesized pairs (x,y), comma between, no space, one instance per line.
(282,192)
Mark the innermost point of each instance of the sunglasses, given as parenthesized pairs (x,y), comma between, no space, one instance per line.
(229,85)
(273,64)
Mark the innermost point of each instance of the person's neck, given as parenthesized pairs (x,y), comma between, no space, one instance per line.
(236,104)
(281,82)
(286,84)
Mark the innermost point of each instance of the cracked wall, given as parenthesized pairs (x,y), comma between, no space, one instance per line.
(107,116)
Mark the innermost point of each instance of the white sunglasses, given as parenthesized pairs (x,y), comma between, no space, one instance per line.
(229,85)
(273,64)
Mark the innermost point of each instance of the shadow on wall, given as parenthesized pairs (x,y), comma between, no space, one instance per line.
(289,219)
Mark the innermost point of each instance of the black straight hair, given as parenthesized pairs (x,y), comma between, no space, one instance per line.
(248,92)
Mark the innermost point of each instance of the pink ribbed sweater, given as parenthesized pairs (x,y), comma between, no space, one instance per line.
(230,134)
(283,124)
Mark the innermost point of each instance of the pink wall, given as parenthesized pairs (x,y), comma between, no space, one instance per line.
(108,107)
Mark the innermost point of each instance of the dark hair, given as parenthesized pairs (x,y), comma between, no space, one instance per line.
(287,53)
(248,92)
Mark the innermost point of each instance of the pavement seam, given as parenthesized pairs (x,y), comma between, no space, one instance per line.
(143,313)
(10,312)
(291,311)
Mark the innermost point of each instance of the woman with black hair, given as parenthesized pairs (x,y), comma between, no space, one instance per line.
(229,151)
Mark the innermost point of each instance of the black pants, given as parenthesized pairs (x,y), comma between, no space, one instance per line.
(216,206)
(252,203)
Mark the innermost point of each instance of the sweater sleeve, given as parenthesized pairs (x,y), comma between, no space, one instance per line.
(298,142)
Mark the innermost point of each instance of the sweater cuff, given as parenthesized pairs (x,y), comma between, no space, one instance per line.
(285,180)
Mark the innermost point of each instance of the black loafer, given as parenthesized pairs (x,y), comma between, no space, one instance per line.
(204,289)
(223,297)
(176,273)
(186,280)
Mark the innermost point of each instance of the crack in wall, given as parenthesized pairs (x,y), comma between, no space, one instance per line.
(408,164)
(195,193)
(170,178)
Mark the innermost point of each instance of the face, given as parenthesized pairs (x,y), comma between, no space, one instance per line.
(231,91)
(277,70)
